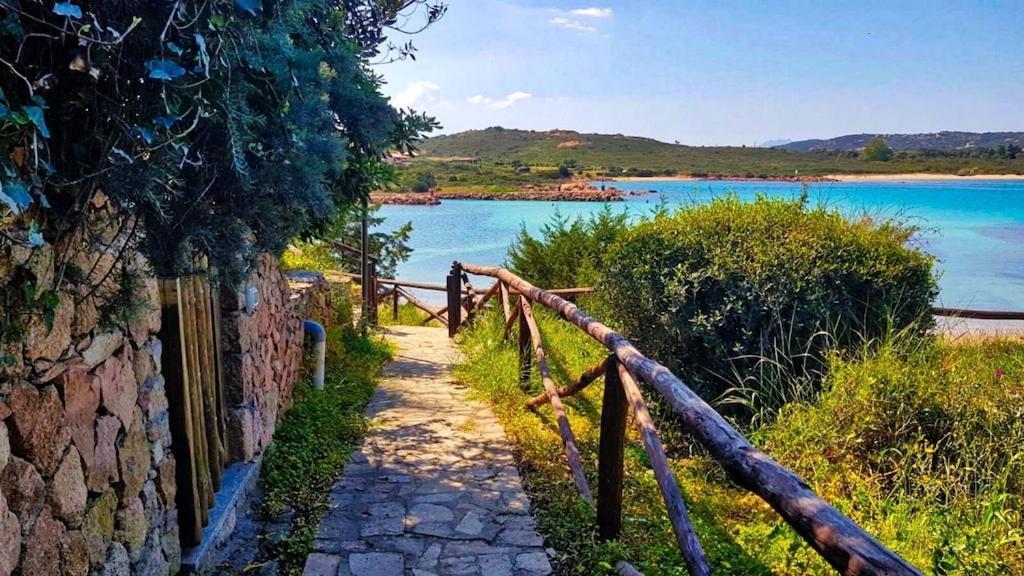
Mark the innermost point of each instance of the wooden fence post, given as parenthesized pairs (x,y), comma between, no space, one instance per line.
(372,286)
(610,454)
(454,286)
(394,305)
(525,347)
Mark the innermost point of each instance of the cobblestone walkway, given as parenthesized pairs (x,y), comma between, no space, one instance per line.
(433,490)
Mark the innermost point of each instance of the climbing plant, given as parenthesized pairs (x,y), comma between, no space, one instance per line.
(214,129)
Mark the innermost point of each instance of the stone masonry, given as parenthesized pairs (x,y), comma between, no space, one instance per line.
(433,490)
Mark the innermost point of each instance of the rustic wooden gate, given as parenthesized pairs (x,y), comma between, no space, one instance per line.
(195,391)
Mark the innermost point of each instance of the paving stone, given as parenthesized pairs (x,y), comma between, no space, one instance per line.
(318,564)
(433,489)
(376,564)
(534,563)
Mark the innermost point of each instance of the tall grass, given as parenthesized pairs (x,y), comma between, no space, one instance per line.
(920,440)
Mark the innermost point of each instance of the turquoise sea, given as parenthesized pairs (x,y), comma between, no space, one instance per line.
(974,227)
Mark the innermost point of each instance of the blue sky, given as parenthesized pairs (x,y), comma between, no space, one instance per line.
(720,72)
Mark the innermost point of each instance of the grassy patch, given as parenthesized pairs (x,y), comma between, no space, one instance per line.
(921,442)
(312,444)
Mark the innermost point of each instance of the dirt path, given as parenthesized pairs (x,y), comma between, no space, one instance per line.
(433,490)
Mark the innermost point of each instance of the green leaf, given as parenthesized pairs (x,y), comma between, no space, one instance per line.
(36,115)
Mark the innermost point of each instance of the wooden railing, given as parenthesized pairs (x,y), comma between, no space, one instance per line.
(836,538)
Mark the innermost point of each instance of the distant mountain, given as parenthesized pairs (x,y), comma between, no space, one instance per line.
(774,143)
(931,141)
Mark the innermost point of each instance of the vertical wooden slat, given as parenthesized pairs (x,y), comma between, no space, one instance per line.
(506,307)
(202,463)
(175,372)
(394,304)
(218,353)
(204,347)
(610,454)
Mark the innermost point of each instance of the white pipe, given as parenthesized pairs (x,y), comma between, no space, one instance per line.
(319,336)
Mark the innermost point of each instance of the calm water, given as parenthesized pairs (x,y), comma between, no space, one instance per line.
(975,228)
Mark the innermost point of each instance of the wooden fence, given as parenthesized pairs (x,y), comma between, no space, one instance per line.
(836,538)
(195,390)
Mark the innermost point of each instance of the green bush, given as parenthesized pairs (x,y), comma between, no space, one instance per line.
(569,252)
(713,290)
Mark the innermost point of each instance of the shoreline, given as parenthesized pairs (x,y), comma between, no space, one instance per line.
(914,176)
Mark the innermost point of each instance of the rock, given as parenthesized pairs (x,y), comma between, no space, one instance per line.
(42,547)
(118,389)
(37,426)
(166,481)
(156,350)
(103,347)
(43,342)
(68,494)
(153,395)
(116,562)
(81,400)
(534,563)
(87,316)
(24,489)
(134,457)
(142,365)
(104,468)
(74,554)
(10,538)
(5,446)
(131,526)
(98,527)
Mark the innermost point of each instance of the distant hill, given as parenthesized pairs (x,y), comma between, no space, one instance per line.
(618,155)
(931,141)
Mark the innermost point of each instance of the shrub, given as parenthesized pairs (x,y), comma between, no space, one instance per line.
(424,182)
(710,290)
(569,252)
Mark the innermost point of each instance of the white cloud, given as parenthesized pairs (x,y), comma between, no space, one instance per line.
(571,24)
(593,12)
(499,104)
(419,93)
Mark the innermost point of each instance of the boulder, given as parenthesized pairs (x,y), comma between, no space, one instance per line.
(50,342)
(134,457)
(68,494)
(87,316)
(10,538)
(74,554)
(104,468)
(98,526)
(43,545)
(81,400)
(102,347)
(23,487)
(38,431)
(118,389)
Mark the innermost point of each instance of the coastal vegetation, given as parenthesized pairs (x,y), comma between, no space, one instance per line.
(808,331)
(505,160)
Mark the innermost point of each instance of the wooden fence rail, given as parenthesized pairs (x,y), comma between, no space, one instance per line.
(836,538)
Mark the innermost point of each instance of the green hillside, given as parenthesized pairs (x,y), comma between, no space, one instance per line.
(617,155)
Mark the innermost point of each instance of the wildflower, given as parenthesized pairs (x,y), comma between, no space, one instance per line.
(999,374)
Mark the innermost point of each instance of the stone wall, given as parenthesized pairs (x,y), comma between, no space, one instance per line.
(263,351)
(86,474)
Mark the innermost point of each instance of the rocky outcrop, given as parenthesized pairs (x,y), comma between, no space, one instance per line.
(571,191)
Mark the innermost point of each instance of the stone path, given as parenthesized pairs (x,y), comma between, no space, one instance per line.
(434,489)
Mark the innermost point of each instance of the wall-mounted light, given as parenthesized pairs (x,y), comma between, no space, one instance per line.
(252,299)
